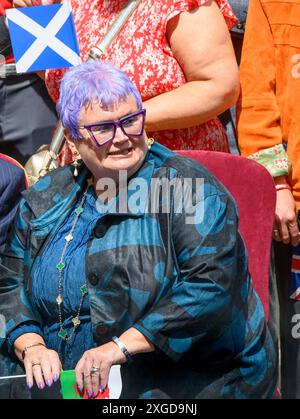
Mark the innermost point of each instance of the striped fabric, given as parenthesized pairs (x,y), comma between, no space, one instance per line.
(13,181)
(17,164)
(295,274)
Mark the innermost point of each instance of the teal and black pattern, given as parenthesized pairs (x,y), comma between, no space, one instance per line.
(186,287)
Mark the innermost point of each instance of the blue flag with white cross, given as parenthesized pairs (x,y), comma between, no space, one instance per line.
(43,37)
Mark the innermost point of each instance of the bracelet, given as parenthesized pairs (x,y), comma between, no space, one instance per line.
(30,346)
(123,348)
(281,186)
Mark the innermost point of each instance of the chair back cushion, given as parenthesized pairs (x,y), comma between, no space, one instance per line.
(253,189)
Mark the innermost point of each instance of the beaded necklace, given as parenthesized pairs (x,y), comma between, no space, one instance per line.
(60,267)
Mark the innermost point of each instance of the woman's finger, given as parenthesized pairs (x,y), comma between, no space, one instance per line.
(55,367)
(294,233)
(79,374)
(95,377)
(87,376)
(22,3)
(284,233)
(37,374)
(104,373)
(276,234)
(29,374)
(46,371)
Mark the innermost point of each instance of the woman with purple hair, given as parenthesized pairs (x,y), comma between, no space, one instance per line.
(179,55)
(101,270)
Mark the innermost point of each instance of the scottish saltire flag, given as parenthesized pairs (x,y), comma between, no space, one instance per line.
(43,37)
(295,274)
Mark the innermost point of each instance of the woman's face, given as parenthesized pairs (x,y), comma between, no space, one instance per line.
(122,153)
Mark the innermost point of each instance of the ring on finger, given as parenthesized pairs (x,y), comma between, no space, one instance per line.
(275,232)
(95,370)
(35,364)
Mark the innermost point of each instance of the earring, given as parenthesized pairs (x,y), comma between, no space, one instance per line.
(149,142)
(76,164)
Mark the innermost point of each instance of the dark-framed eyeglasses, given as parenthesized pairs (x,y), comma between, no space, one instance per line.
(131,125)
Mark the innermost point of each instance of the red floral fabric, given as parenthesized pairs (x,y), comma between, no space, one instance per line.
(5,4)
(142,51)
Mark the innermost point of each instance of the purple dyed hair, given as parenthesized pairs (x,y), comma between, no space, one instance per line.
(90,82)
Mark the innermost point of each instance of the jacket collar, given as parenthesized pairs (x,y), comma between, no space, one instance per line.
(55,194)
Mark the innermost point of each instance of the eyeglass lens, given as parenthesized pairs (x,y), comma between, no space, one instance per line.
(131,125)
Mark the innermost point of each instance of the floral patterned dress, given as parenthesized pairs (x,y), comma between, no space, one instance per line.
(142,50)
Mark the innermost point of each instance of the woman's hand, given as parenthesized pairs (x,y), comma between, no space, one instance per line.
(42,365)
(100,359)
(285,226)
(26,3)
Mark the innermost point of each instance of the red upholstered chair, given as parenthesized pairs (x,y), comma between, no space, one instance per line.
(253,190)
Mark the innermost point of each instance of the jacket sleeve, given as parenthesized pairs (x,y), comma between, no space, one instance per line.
(12,183)
(258,115)
(15,307)
(211,262)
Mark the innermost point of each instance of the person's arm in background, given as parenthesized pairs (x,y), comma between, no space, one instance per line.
(12,182)
(200,41)
(258,120)
(5,45)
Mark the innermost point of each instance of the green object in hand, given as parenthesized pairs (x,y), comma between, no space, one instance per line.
(68,385)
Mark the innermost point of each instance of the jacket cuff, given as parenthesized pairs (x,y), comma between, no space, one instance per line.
(164,344)
(274,159)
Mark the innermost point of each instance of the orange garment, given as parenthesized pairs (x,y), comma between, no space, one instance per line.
(269,106)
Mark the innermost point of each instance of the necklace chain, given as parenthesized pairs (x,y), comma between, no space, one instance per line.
(60,267)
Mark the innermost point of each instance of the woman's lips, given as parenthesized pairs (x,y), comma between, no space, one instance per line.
(124,152)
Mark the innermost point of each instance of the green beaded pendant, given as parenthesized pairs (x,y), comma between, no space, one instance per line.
(60,266)
(79,211)
(62,334)
(83,289)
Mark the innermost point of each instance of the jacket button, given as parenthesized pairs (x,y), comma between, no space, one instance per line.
(93,279)
(101,329)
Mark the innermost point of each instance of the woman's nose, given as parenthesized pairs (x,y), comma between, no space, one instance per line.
(120,135)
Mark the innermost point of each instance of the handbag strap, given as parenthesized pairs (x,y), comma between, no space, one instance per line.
(98,50)
(95,54)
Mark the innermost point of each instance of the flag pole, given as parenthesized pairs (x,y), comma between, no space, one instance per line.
(8,377)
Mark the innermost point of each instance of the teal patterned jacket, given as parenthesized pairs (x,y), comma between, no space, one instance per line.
(186,287)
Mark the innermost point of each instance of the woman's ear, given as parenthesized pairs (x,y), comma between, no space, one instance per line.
(68,136)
